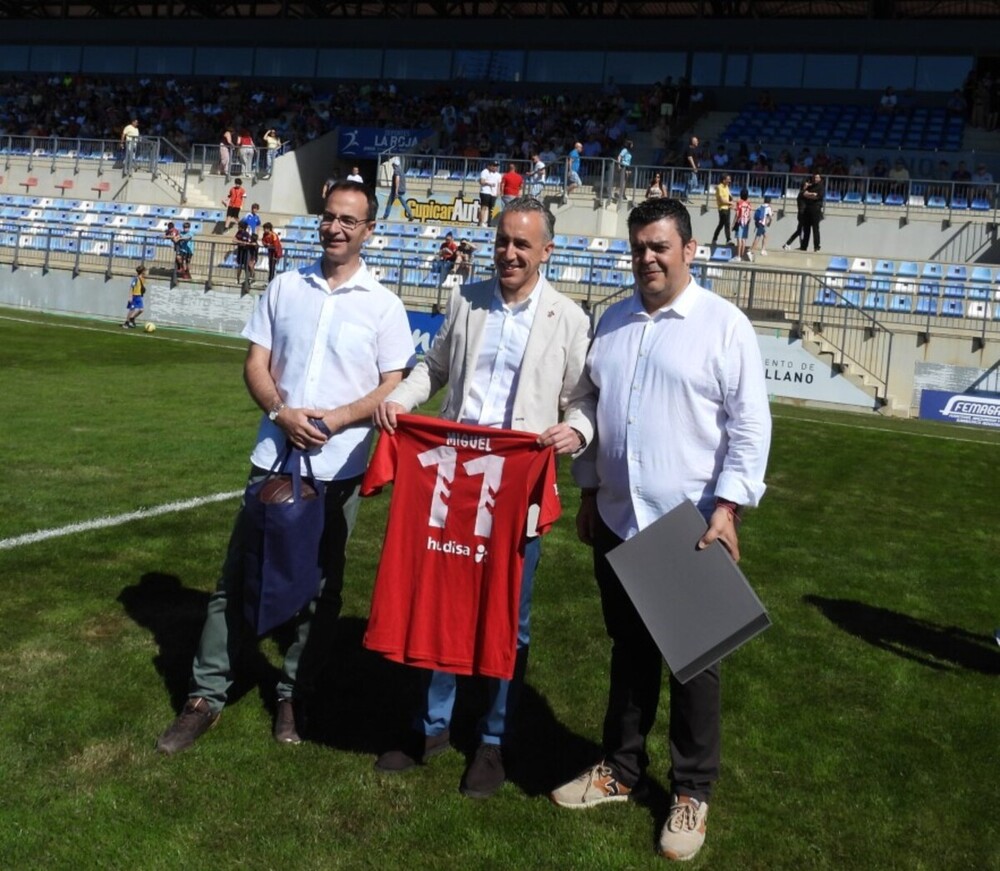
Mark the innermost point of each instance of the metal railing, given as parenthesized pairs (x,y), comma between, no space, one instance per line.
(234,162)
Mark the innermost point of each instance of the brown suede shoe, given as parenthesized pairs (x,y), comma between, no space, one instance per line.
(194,720)
(485,774)
(288,722)
(416,750)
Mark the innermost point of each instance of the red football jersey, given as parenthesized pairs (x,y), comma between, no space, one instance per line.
(446,594)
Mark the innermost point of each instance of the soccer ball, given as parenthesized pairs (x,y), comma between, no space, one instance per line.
(150,328)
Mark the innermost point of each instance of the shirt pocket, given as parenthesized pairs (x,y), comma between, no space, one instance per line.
(354,343)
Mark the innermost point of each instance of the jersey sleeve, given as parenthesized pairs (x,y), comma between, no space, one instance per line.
(382,468)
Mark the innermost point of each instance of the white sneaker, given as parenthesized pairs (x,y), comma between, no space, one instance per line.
(763,253)
(784,247)
(684,831)
(749,257)
(597,785)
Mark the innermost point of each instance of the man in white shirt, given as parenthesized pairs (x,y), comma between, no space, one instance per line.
(489,190)
(130,140)
(675,381)
(510,351)
(327,345)
(355,175)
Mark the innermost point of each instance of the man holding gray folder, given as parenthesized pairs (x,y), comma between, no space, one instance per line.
(675,380)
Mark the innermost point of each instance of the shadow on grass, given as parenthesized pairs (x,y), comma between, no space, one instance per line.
(363,702)
(930,644)
(175,614)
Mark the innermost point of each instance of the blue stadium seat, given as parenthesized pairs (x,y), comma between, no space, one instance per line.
(722,254)
(952,308)
(876,301)
(951,290)
(981,275)
(956,272)
(959,203)
(837,264)
(929,288)
(980,204)
(936,201)
(852,197)
(979,291)
(855,282)
(908,269)
(901,302)
(885,267)
(932,270)
(926,306)
(851,296)
(825,296)
(895,199)
(873,198)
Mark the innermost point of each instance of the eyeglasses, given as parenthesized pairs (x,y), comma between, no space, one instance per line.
(347,222)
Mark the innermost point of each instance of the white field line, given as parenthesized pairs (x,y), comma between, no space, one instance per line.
(858,426)
(181,339)
(118,520)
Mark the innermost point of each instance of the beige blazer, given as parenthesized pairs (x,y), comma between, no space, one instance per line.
(553,359)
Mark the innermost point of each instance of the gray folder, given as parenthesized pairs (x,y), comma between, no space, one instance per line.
(696,604)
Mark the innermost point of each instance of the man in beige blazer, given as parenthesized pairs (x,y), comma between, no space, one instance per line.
(510,351)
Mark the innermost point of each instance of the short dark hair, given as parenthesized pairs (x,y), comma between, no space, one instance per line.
(357,187)
(663,208)
(531,204)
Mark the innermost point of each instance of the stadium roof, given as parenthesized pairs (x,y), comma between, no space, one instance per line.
(502,9)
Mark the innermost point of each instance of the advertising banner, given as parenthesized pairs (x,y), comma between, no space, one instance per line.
(370,142)
(960,407)
(792,372)
(424,326)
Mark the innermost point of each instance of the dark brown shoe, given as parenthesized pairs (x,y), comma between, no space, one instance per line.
(485,774)
(288,722)
(194,720)
(416,750)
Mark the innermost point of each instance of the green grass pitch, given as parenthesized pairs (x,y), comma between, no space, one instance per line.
(860,731)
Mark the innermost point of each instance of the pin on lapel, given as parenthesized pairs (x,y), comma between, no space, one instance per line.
(552,313)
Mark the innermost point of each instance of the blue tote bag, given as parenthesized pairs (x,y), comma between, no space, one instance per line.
(283,568)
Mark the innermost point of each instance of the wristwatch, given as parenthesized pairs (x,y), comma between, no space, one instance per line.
(272,415)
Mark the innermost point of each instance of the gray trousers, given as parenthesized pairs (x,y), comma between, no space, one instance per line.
(225,631)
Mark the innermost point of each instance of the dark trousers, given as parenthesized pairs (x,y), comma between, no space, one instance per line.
(722,225)
(636,664)
(810,223)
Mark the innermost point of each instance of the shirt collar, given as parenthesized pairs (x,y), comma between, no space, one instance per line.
(499,303)
(681,307)
(362,279)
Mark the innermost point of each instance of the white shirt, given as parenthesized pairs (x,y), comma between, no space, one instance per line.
(682,410)
(490,400)
(328,348)
(489,182)
(357,178)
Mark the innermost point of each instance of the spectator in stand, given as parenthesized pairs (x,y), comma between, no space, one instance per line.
(690,158)
(463,258)
(247,151)
(243,242)
(723,203)
(813,197)
(273,143)
(624,167)
(741,224)
(397,190)
(961,172)
(888,102)
(275,251)
(226,146)
(858,173)
(511,183)
(956,104)
(130,142)
(573,167)
(253,219)
(899,175)
(800,210)
(982,180)
(537,176)
(185,247)
(447,254)
(173,234)
(720,160)
(355,175)
(762,217)
(489,190)
(765,102)
(234,202)
(656,188)
(783,163)
(253,253)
